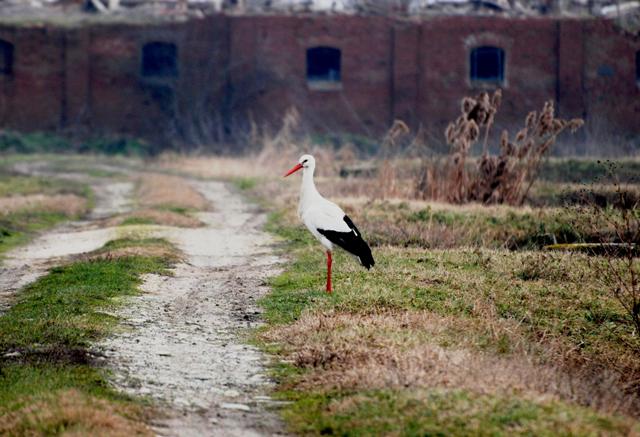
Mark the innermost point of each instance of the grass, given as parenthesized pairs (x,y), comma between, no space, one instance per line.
(43,142)
(170,193)
(448,342)
(47,382)
(32,204)
(18,228)
(12,185)
(245,183)
(61,309)
(587,170)
(180,217)
(436,225)
(441,413)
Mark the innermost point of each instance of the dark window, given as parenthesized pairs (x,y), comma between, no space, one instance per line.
(487,64)
(323,64)
(159,59)
(6,57)
(606,71)
(638,66)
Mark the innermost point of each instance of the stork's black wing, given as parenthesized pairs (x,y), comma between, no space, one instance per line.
(352,242)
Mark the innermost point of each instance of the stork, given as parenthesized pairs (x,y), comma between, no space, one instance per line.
(327,221)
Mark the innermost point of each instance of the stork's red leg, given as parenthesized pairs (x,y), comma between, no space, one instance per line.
(329,289)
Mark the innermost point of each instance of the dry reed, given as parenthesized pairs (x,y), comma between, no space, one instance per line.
(503,178)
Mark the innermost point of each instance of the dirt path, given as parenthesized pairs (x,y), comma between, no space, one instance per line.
(183,342)
(185,345)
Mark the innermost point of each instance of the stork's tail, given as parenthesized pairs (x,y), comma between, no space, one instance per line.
(365,256)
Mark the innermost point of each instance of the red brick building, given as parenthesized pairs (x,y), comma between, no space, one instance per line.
(209,77)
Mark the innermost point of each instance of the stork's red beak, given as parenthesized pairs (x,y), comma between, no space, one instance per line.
(294,169)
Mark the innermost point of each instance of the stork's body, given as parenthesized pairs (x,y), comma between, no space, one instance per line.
(327,221)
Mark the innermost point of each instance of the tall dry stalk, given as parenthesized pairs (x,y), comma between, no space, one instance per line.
(477,114)
(387,172)
(288,144)
(503,178)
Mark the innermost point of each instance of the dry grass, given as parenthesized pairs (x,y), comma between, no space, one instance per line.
(275,154)
(218,167)
(156,216)
(67,204)
(399,349)
(163,252)
(72,413)
(163,191)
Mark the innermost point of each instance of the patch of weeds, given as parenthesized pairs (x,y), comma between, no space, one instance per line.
(137,221)
(441,412)
(153,248)
(245,183)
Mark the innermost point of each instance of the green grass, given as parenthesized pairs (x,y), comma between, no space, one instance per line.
(21,383)
(589,170)
(45,335)
(414,412)
(526,297)
(494,227)
(135,242)
(62,309)
(137,221)
(43,142)
(12,184)
(245,183)
(17,227)
(555,295)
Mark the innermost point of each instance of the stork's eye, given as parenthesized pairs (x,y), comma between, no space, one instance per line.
(305,161)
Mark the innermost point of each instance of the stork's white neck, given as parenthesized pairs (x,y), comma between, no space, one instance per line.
(308,191)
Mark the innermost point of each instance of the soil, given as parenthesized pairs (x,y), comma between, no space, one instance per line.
(184,342)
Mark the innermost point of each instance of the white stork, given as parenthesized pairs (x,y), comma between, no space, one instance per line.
(327,221)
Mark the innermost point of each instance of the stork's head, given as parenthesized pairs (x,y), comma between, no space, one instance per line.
(306,162)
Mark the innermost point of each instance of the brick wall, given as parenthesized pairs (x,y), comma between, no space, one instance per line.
(234,70)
